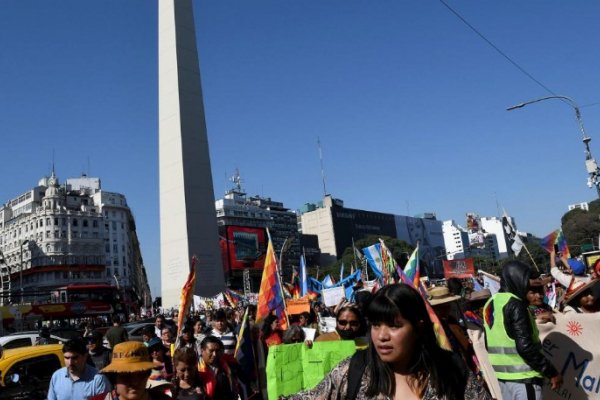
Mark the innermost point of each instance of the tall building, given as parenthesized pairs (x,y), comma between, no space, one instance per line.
(243,222)
(53,235)
(188,225)
(336,226)
(463,243)
(494,225)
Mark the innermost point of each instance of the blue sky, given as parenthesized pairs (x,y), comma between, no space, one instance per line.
(408,102)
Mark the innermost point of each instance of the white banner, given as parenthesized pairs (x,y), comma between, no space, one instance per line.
(491,282)
(333,296)
(572,346)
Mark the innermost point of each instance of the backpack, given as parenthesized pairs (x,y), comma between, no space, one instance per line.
(358,363)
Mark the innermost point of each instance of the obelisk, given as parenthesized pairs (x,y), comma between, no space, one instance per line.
(188,222)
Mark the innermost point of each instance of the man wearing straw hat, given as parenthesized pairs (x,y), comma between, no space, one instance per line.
(129,372)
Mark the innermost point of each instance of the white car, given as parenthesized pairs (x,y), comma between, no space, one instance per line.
(24,339)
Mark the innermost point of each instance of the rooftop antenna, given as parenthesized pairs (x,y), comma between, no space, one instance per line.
(237,180)
(322,169)
(52,161)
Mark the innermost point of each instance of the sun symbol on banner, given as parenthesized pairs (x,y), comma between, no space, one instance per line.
(574,328)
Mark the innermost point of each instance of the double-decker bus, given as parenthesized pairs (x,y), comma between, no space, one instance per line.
(74,301)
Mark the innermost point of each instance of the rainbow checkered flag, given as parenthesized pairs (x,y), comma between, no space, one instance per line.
(440,335)
(412,268)
(270,295)
(556,238)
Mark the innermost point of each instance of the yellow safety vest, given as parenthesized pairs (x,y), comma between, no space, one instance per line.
(502,349)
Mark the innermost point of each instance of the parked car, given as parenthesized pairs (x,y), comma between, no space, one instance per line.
(26,338)
(134,331)
(25,372)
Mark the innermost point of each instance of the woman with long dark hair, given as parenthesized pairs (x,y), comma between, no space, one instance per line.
(403,361)
(270,332)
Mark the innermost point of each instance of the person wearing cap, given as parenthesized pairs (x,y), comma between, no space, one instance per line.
(99,355)
(77,380)
(512,338)
(162,370)
(128,372)
(571,277)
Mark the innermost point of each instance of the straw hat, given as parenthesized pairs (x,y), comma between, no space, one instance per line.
(577,288)
(129,357)
(440,295)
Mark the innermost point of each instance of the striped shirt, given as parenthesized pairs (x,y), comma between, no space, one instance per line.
(228,338)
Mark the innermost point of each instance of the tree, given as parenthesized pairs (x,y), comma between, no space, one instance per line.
(538,253)
(580,229)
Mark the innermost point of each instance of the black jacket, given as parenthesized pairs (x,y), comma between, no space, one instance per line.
(517,322)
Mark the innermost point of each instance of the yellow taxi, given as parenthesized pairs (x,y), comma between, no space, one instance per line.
(25,372)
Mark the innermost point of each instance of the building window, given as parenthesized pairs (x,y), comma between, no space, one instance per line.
(115,248)
(75,222)
(95,223)
(85,223)
(48,222)
(114,225)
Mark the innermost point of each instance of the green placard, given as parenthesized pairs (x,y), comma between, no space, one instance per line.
(292,368)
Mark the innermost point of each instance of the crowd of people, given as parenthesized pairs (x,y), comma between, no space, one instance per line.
(399,353)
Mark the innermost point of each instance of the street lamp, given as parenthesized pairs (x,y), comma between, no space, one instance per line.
(590,163)
(23,243)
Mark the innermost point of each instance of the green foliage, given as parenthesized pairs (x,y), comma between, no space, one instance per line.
(581,227)
(538,253)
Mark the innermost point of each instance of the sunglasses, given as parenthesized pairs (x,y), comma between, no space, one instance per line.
(343,322)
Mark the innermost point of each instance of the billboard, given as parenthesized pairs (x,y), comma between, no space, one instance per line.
(243,247)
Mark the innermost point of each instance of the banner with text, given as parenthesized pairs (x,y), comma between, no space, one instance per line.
(572,346)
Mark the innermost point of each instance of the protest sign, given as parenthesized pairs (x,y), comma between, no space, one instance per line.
(327,324)
(298,306)
(572,346)
(309,333)
(491,282)
(333,296)
(459,268)
(295,367)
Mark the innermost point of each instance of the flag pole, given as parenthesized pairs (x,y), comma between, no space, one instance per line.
(531,257)
(278,274)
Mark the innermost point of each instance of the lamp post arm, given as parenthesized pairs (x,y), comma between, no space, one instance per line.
(564,99)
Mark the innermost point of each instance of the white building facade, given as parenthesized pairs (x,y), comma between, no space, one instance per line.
(53,235)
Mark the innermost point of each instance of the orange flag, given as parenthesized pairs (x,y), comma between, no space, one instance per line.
(187,294)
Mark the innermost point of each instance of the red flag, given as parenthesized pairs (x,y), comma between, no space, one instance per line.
(187,294)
